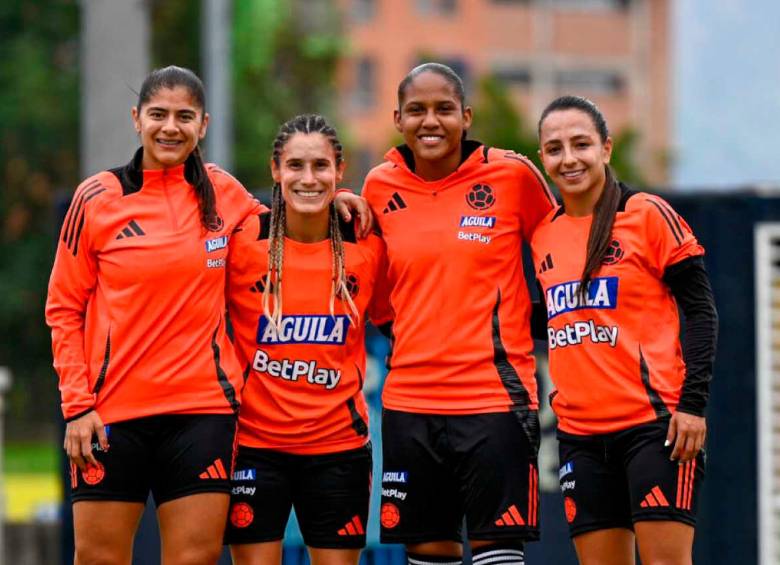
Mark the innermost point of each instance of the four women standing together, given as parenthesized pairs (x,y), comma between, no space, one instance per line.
(137,301)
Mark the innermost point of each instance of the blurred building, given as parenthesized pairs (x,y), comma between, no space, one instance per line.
(615,52)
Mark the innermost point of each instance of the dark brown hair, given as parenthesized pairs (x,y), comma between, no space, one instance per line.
(305,124)
(443,71)
(600,234)
(171,77)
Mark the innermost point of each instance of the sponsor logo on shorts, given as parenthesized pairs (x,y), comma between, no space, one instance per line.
(216,243)
(393,493)
(389,515)
(478,237)
(395,476)
(567,485)
(294,369)
(477,221)
(566,469)
(96,444)
(353,528)
(565,297)
(241,515)
(215,263)
(326,330)
(246,491)
(578,332)
(244,475)
(570,508)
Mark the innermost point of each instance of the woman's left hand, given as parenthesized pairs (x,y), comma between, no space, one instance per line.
(687,432)
(347,204)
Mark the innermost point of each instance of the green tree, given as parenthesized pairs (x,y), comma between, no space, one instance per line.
(285,55)
(39,113)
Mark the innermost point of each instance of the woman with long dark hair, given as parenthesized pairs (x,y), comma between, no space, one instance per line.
(614,265)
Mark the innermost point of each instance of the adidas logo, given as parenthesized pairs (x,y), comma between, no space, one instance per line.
(654,498)
(511,517)
(132,229)
(547,264)
(394,204)
(214,471)
(353,528)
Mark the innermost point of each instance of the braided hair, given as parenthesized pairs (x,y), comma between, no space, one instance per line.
(306,124)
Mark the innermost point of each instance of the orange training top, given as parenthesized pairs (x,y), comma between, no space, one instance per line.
(462,340)
(615,358)
(303,392)
(136,297)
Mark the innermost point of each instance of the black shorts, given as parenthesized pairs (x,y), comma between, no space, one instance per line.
(172,455)
(436,469)
(329,492)
(614,480)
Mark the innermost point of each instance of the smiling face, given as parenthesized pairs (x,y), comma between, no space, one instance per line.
(432,120)
(574,156)
(307,173)
(170,125)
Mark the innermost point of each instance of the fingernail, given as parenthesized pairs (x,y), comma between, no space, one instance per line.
(667,443)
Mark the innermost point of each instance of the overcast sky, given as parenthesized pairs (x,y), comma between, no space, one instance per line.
(726,93)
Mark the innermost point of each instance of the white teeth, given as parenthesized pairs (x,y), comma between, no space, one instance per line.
(307,194)
(430,138)
(167,141)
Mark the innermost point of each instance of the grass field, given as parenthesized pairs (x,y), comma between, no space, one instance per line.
(31,482)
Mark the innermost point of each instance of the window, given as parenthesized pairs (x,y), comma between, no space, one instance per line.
(592,4)
(363,10)
(595,82)
(513,76)
(437,7)
(365,84)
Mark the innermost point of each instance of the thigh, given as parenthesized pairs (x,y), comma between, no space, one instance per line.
(192,528)
(613,546)
(497,474)
(266,553)
(320,556)
(420,501)
(194,454)
(330,496)
(104,530)
(665,542)
(123,471)
(261,497)
(593,484)
(660,489)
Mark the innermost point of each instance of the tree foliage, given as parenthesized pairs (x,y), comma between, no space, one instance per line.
(39,113)
(284,62)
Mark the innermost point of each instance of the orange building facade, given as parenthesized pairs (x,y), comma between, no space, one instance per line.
(615,52)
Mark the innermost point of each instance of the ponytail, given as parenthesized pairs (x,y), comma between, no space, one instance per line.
(600,234)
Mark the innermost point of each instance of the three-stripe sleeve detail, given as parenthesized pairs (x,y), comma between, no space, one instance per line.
(671,219)
(74,220)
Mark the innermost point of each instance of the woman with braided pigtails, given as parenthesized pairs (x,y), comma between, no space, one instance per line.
(299,287)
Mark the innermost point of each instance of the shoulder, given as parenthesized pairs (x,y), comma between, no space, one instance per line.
(644,203)
(380,174)
(96,190)
(221,179)
(547,223)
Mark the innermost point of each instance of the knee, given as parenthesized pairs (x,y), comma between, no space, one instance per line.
(200,554)
(90,553)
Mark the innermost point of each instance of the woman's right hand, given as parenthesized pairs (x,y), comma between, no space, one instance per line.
(78,439)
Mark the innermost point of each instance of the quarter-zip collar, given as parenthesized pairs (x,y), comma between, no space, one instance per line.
(472,153)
